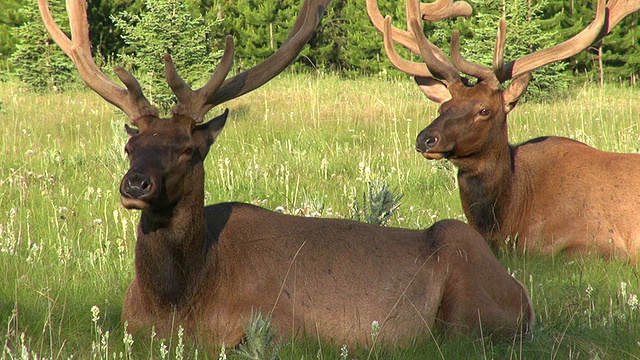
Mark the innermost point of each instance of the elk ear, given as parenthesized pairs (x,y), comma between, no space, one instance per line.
(210,130)
(434,89)
(514,92)
(131,131)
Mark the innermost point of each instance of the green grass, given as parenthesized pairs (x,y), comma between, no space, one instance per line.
(310,144)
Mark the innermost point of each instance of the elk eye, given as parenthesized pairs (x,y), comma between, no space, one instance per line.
(187,152)
(484,112)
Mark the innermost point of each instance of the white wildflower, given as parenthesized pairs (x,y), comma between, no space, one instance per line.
(632,301)
(344,352)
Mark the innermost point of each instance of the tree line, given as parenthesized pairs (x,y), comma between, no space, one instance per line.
(134,32)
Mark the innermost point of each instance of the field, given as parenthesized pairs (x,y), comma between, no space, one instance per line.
(312,145)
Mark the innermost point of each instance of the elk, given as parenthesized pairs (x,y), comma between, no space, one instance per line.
(547,195)
(208,267)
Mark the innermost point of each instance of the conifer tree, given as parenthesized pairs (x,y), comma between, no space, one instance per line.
(620,51)
(38,62)
(258,27)
(105,37)
(525,35)
(349,43)
(166,26)
(9,18)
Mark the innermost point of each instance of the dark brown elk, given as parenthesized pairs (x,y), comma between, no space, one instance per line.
(547,195)
(207,268)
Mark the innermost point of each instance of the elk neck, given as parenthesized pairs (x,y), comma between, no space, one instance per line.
(171,247)
(486,182)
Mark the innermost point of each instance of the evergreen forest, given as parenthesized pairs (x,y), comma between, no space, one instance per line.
(135,33)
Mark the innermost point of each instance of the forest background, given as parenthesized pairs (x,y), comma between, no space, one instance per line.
(136,33)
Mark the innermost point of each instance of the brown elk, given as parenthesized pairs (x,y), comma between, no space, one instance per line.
(208,267)
(547,195)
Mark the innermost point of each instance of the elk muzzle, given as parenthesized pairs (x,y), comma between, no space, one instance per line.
(136,190)
(427,143)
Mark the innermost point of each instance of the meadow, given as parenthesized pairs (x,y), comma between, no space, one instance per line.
(312,145)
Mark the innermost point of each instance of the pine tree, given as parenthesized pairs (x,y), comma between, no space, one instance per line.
(38,61)
(9,18)
(166,26)
(356,45)
(258,27)
(621,51)
(525,35)
(105,37)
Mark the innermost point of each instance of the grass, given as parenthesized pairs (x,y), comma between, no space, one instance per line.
(308,144)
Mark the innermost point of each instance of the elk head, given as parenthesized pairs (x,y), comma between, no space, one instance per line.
(472,116)
(166,154)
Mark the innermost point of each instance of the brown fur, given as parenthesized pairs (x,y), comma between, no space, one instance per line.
(207,268)
(548,195)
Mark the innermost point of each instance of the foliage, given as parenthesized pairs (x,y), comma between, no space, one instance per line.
(38,62)
(347,43)
(10,17)
(166,26)
(621,51)
(525,34)
(105,36)
(260,341)
(258,27)
(378,205)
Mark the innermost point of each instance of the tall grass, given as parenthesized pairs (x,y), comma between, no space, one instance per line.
(310,145)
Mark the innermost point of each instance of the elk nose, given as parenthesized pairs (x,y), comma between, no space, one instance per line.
(136,185)
(426,142)
(430,141)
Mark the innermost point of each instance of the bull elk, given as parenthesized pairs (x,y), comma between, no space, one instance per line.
(547,195)
(208,267)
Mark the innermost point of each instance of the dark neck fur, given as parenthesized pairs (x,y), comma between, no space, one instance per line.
(485,188)
(171,250)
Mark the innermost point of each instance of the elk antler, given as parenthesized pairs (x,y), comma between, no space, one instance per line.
(438,64)
(439,10)
(604,21)
(483,73)
(196,104)
(130,100)
(617,10)
(546,56)
(436,72)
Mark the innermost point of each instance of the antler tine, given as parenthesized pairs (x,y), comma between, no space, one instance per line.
(414,11)
(439,10)
(617,10)
(546,56)
(498,53)
(255,77)
(78,48)
(444,9)
(405,38)
(409,67)
(196,104)
(441,69)
(481,72)
(192,103)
